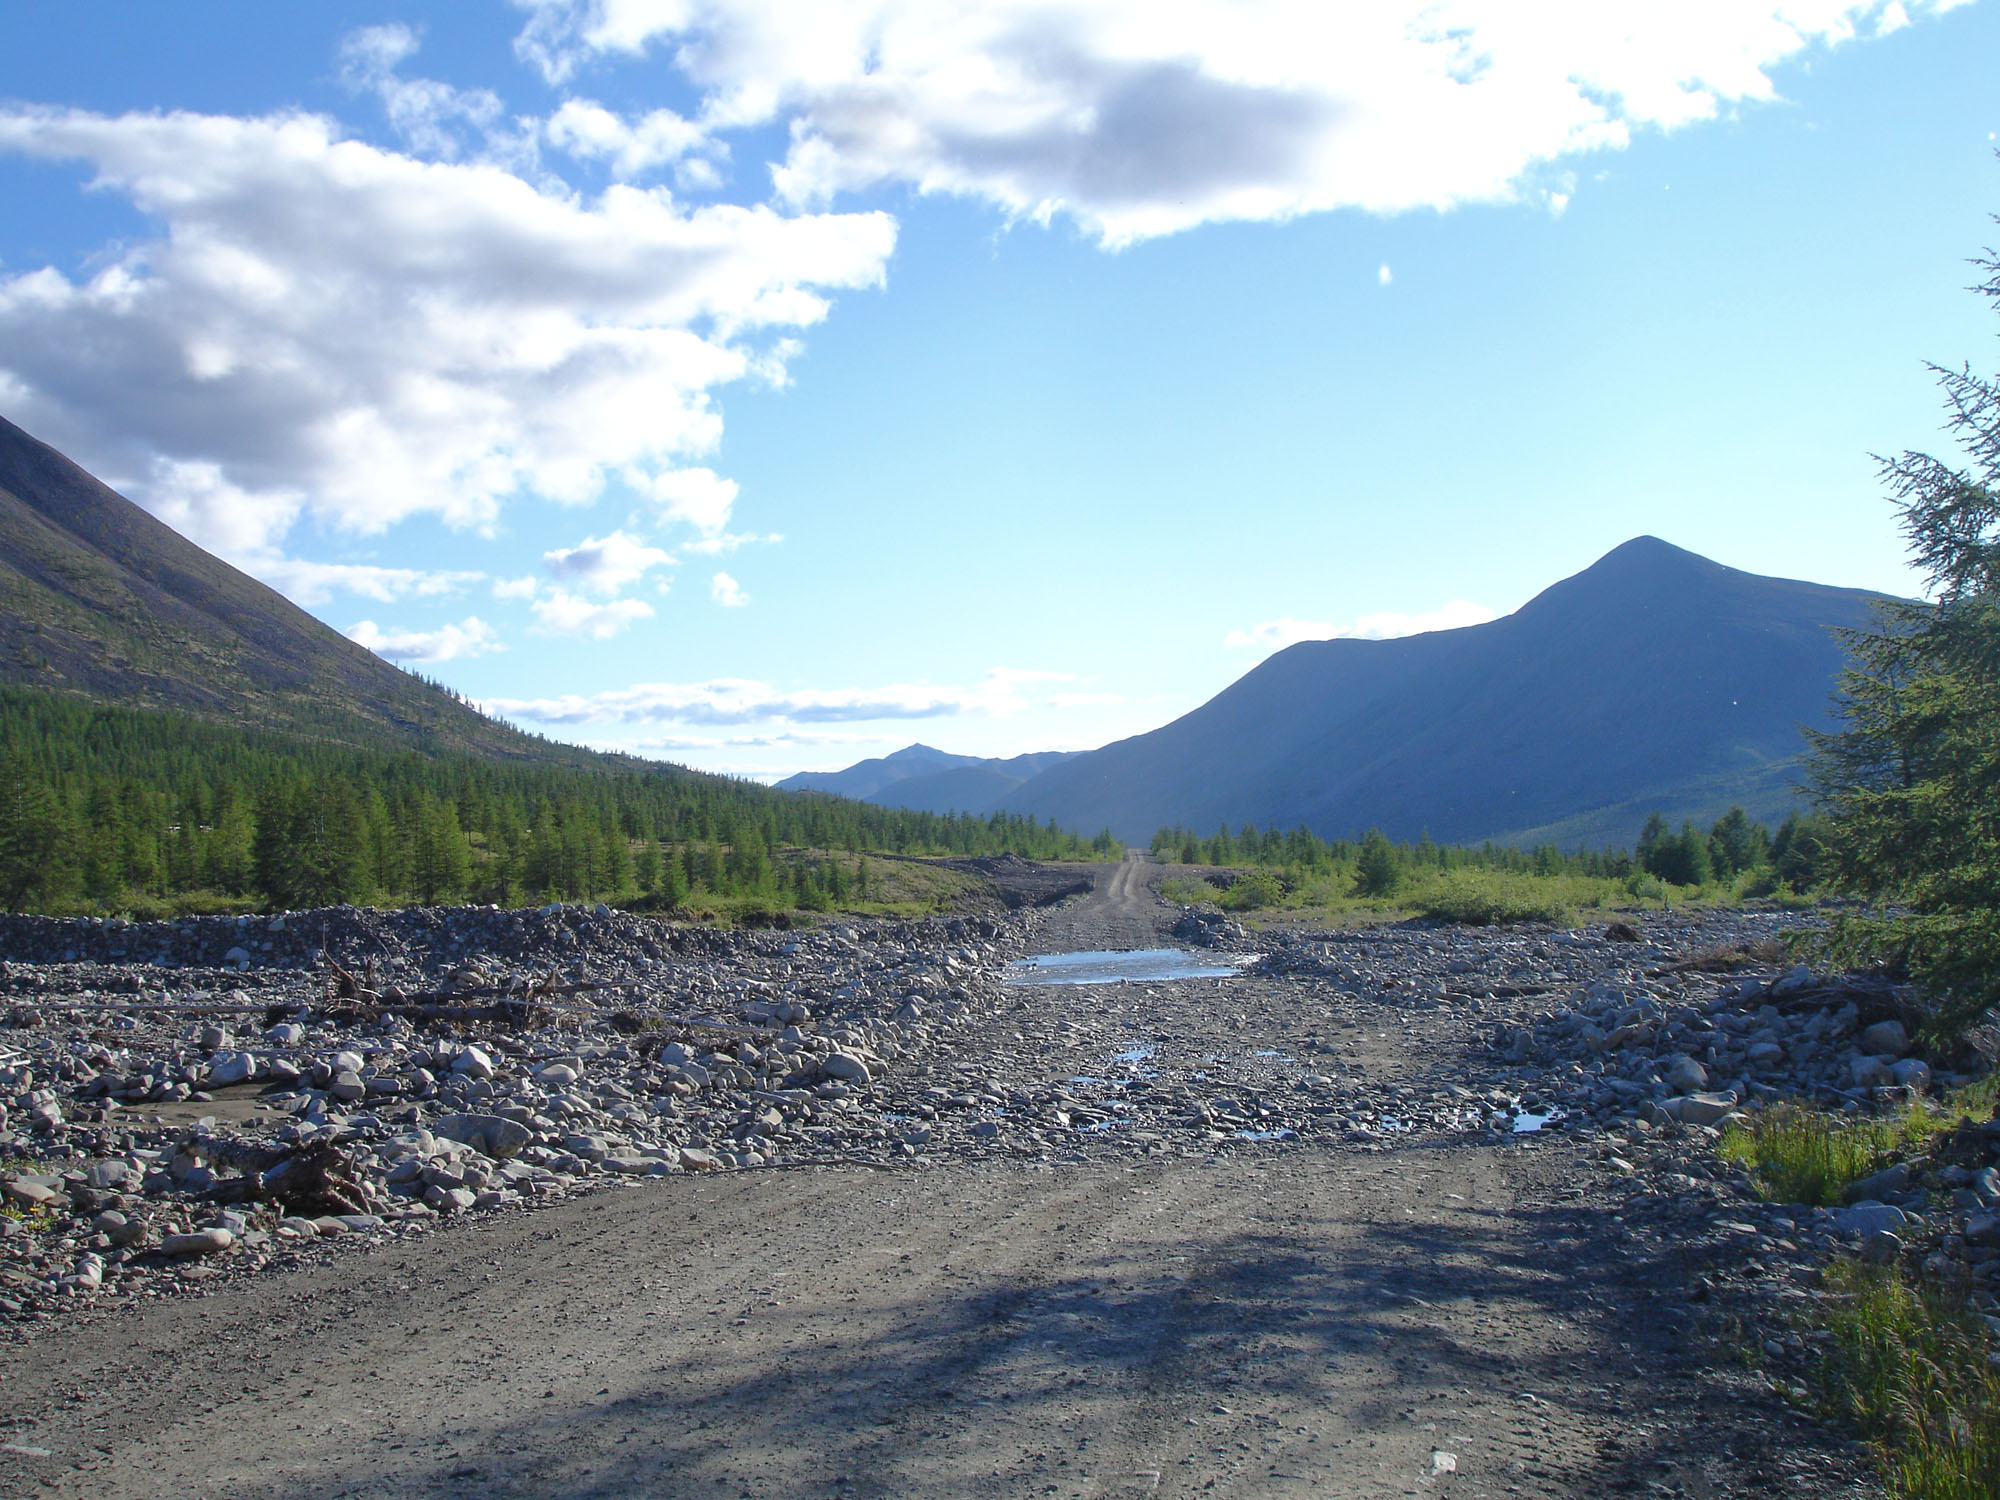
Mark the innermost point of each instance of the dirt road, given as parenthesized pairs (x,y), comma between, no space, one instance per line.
(1446,1318)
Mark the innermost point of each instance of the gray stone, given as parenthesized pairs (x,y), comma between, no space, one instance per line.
(497,1137)
(1912,1073)
(286,1034)
(1868,1218)
(1881,1246)
(472,1063)
(231,1067)
(1983,1230)
(1700,1109)
(1886,1036)
(113,1176)
(846,1067)
(347,1086)
(1684,1075)
(200,1242)
(1889,1180)
(557,1075)
(1870,1072)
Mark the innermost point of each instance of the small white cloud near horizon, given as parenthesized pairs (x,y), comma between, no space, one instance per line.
(606,565)
(562,613)
(1383,275)
(1274,635)
(738,700)
(471,636)
(727,592)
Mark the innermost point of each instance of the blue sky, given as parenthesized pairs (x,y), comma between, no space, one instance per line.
(765,386)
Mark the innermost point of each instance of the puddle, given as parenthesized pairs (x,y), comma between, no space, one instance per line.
(1138,966)
(1286,1134)
(1527,1124)
(1132,1055)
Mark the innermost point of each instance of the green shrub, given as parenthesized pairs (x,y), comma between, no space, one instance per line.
(1484,898)
(1253,892)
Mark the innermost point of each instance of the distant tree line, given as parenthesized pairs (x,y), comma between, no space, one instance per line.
(1734,849)
(100,805)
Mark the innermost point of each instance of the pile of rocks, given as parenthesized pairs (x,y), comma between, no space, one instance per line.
(153,1124)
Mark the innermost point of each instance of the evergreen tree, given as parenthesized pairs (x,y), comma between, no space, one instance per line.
(1375,869)
(1910,787)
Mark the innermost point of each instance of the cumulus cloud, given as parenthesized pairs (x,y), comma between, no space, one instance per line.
(629,147)
(471,636)
(317,582)
(560,612)
(606,565)
(736,700)
(1272,635)
(516,588)
(1139,118)
(727,592)
(323,328)
(722,543)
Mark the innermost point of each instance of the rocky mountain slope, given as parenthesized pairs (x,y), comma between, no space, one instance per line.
(927,780)
(1655,679)
(99,599)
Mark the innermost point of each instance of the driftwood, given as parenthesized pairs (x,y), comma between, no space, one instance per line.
(313,1179)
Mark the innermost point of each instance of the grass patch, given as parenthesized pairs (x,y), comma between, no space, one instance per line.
(1803,1156)
(1912,1370)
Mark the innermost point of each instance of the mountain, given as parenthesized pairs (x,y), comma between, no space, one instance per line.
(1655,679)
(99,599)
(927,780)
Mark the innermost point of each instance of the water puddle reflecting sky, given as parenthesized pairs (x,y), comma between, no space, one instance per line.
(1140,965)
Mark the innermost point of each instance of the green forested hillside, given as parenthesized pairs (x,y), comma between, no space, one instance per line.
(103,805)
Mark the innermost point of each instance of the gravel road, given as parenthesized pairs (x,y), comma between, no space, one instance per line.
(1445,1315)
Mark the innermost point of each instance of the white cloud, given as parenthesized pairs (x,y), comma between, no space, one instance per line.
(722,543)
(630,148)
(699,497)
(1383,275)
(606,565)
(736,700)
(317,582)
(1272,635)
(562,613)
(434,118)
(515,588)
(727,592)
(1142,117)
(471,636)
(323,328)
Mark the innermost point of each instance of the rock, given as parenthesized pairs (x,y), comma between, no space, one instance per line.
(286,1034)
(29,1193)
(846,1067)
(1684,1075)
(1793,981)
(472,1063)
(1886,1036)
(697,1160)
(239,955)
(495,1136)
(347,1087)
(231,1067)
(1700,1109)
(1766,1054)
(986,1129)
(1880,1247)
(450,1200)
(212,1037)
(1869,1218)
(1983,1230)
(557,1075)
(113,1176)
(200,1242)
(1870,1072)
(1889,1180)
(1911,1073)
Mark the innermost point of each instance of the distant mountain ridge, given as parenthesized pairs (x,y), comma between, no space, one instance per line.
(100,599)
(1654,679)
(928,780)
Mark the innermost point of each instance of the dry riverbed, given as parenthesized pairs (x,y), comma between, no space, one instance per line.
(908,1229)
